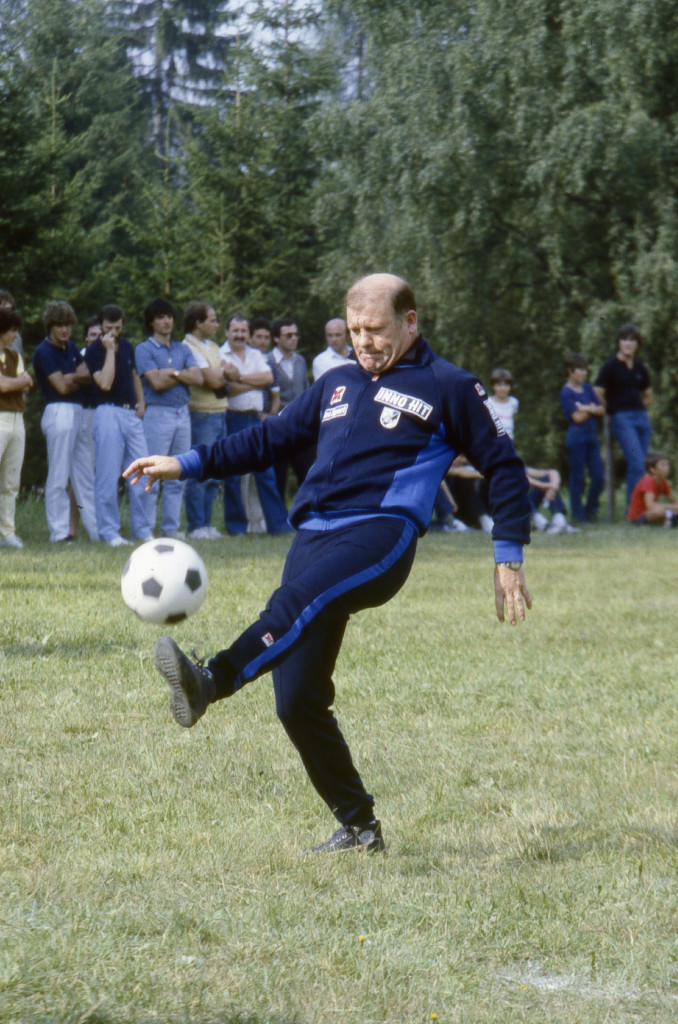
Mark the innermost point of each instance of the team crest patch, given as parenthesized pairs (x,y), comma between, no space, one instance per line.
(404,403)
(480,389)
(389,417)
(337,395)
(267,639)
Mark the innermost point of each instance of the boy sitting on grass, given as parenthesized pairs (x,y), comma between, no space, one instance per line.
(652,500)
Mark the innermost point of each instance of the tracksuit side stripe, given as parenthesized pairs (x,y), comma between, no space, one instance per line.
(321,601)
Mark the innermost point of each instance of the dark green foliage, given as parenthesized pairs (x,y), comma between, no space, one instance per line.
(517,162)
(251,242)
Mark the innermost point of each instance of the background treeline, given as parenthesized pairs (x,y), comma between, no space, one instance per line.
(517,162)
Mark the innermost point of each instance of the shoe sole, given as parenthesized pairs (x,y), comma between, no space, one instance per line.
(374,845)
(175,669)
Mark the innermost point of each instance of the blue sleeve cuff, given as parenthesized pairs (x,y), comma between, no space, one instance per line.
(507,551)
(191,466)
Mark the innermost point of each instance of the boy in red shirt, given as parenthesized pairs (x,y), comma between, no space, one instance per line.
(646,504)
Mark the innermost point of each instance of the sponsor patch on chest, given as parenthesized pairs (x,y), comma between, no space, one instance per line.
(335,413)
(403,403)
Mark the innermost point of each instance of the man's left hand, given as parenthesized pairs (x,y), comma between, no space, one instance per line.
(510,589)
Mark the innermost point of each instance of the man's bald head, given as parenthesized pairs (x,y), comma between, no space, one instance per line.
(336,335)
(382,321)
(380,287)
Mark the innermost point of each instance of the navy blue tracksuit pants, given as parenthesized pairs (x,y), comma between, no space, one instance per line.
(328,575)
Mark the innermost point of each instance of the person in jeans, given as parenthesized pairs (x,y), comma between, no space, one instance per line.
(624,385)
(117,427)
(167,369)
(207,408)
(582,409)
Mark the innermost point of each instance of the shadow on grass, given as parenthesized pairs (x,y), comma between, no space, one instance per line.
(67,649)
(571,843)
(93,1016)
(549,845)
(48,582)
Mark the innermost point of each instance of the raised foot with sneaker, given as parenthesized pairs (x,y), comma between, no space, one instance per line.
(367,838)
(190,685)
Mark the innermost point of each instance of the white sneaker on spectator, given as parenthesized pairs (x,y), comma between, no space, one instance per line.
(456,526)
(200,533)
(119,542)
(213,533)
(11,542)
(486,523)
(559,524)
(540,522)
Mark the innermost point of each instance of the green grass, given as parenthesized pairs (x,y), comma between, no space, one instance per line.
(526,778)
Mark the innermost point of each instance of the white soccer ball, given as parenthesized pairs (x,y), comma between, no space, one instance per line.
(164,581)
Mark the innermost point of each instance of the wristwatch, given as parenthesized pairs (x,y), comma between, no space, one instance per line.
(511,565)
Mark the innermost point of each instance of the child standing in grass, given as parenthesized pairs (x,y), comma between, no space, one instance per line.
(504,404)
(653,501)
(15,383)
(582,408)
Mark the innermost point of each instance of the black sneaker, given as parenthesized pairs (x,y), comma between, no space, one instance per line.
(353,837)
(190,685)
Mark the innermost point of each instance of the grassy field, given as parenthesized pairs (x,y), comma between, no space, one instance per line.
(526,779)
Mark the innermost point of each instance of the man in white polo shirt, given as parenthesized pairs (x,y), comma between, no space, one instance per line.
(338,349)
(245,408)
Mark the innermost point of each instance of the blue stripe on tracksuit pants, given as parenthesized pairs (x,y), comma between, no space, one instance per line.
(328,576)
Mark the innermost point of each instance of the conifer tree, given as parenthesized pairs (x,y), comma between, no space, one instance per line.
(252,167)
(180,51)
(90,121)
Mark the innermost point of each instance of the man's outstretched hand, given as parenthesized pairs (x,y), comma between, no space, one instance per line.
(510,589)
(154,467)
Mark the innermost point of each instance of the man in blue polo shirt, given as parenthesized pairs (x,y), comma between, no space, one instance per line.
(117,428)
(62,374)
(167,369)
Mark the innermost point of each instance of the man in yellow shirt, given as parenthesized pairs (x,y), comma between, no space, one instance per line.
(207,406)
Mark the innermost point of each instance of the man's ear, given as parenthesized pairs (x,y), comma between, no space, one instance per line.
(412,322)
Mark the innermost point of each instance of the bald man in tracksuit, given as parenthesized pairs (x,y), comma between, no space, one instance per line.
(386,430)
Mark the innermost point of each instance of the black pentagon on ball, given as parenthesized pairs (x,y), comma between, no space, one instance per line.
(151,588)
(193,579)
(179,617)
(163,548)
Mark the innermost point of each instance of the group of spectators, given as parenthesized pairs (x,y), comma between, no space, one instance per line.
(107,403)
(623,390)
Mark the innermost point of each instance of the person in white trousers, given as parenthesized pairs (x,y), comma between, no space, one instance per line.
(15,383)
(62,373)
